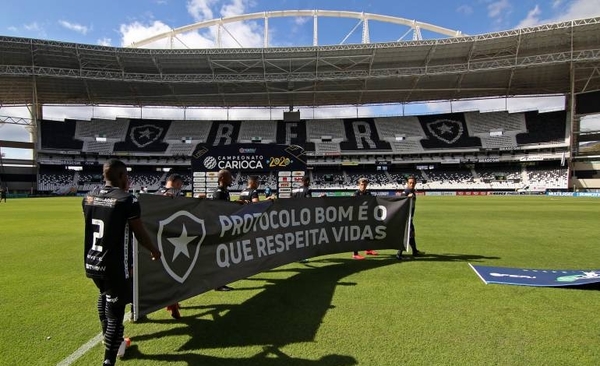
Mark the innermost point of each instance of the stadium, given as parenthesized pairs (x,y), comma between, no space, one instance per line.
(456,153)
(470,151)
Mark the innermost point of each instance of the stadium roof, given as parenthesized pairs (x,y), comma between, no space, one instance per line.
(528,61)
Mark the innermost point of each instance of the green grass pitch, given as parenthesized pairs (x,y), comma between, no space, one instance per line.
(332,311)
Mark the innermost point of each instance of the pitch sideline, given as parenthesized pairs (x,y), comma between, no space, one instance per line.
(84,349)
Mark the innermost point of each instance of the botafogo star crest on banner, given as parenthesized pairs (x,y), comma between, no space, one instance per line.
(179,238)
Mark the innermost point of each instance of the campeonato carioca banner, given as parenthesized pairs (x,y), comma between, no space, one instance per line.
(206,244)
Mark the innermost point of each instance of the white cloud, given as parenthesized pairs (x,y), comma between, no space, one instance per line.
(105,41)
(301,20)
(137,31)
(590,123)
(499,9)
(74,27)
(13,29)
(34,27)
(235,7)
(13,132)
(532,19)
(465,9)
(244,34)
(556,4)
(10,132)
(201,9)
(575,9)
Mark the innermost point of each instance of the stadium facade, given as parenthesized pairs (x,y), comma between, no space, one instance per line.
(461,152)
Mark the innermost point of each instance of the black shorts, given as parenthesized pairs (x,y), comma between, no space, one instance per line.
(121,291)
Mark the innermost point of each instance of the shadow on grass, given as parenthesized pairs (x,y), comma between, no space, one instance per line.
(271,356)
(287,311)
(450,257)
(587,287)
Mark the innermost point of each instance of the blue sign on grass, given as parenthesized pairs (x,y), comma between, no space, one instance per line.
(536,277)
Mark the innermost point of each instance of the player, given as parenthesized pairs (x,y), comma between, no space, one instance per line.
(362,191)
(224,180)
(411,193)
(172,188)
(109,213)
(250,194)
(304,190)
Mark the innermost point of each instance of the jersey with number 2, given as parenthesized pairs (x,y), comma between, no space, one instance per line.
(107,252)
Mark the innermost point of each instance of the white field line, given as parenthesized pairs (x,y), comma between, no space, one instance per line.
(84,349)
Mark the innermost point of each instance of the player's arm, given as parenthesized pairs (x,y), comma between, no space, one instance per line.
(143,238)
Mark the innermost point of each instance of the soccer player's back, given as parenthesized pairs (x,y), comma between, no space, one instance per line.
(109,213)
(106,211)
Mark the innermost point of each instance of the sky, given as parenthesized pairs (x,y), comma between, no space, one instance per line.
(119,23)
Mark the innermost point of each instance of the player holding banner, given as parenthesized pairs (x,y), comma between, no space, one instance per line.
(109,213)
(411,193)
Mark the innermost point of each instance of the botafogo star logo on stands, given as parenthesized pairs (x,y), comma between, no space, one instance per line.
(446,130)
(179,238)
(144,135)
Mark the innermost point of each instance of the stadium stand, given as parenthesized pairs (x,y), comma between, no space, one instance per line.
(319,130)
(187,130)
(292,133)
(144,136)
(441,142)
(100,148)
(498,142)
(57,181)
(545,177)
(258,131)
(152,180)
(111,130)
(180,149)
(328,179)
(484,123)
(223,133)
(59,135)
(449,178)
(379,180)
(409,128)
(544,128)
(447,131)
(327,147)
(406,147)
(361,135)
